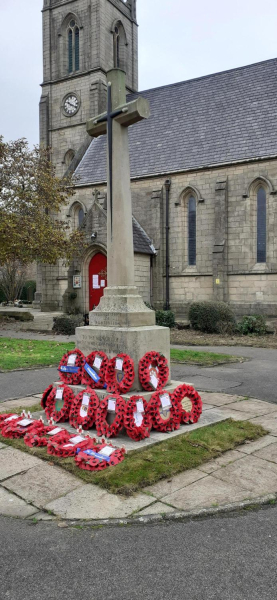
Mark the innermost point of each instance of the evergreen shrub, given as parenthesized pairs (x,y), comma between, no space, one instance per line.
(255,324)
(165,318)
(211,317)
(66,325)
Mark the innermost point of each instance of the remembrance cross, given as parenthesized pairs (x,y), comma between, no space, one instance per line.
(115,123)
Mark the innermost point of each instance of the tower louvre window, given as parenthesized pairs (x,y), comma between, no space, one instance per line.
(73,47)
(192,231)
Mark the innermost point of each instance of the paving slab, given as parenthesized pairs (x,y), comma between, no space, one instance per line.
(256,407)
(250,473)
(90,502)
(218,399)
(42,484)
(237,415)
(12,506)
(13,461)
(207,493)
(269,422)
(158,508)
(250,447)
(268,453)
(221,461)
(170,485)
(24,402)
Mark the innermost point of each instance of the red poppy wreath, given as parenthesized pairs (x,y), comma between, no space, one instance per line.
(99,456)
(153,371)
(83,409)
(111,404)
(67,448)
(45,396)
(120,373)
(58,403)
(94,370)
(137,420)
(190,403)
(164,411)
(42,437)
(7,418)
(17,428)
(71,367)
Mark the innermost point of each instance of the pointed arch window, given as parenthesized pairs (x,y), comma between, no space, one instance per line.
(191,231)
(261,225)
(73,47)
(119,46)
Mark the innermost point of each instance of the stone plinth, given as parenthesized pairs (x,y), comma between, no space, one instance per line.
(134,341)
(122,306)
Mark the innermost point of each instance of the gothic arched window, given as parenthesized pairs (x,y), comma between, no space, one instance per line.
(261,225)
(81,216)
(119,46)
(191,231)
(73,47)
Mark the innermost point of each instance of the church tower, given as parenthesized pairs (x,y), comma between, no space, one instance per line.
(82,40)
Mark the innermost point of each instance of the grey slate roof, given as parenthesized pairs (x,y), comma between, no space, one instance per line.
(142,243)
(216,119)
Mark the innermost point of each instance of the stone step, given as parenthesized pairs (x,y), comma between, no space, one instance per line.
(103,393)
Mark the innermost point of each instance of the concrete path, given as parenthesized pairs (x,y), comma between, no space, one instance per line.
(216,559)
(257,377)
(17,384)
(30,487)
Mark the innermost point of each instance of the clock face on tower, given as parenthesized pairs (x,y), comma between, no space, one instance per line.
(71,105)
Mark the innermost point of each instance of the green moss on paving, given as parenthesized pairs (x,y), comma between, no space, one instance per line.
(208,359)
(161,461)
(21,354)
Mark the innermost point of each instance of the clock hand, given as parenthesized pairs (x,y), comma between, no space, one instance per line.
(70,104)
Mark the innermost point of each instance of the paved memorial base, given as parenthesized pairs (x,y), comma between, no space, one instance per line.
(31,488)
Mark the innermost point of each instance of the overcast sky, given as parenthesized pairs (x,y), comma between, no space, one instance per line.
(178,40)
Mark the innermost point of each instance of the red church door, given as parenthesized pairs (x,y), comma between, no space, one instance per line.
(97,279)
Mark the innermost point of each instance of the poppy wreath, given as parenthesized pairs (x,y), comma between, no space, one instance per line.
(101,424)
(91,377)
(59,416)
(134,431)
(128,374)
(7,418)
(14,430)
(72,374)
(191,409)
(75,417)
(174,413)
(65,448)
(161,364)
(45,396)
(91,459)
(40,438)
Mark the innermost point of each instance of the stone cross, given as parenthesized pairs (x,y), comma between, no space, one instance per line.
(115,123)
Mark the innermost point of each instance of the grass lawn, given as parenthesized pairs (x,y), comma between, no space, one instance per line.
(209,359)
(19,354)
(139,469)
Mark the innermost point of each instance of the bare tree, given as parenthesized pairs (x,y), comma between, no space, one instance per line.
(12,279)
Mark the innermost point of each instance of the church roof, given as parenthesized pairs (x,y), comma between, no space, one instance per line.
(142,243)
(216,119)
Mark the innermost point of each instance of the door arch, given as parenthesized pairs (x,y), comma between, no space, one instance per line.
(97,279)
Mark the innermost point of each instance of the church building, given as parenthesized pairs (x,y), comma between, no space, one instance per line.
(203,169)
